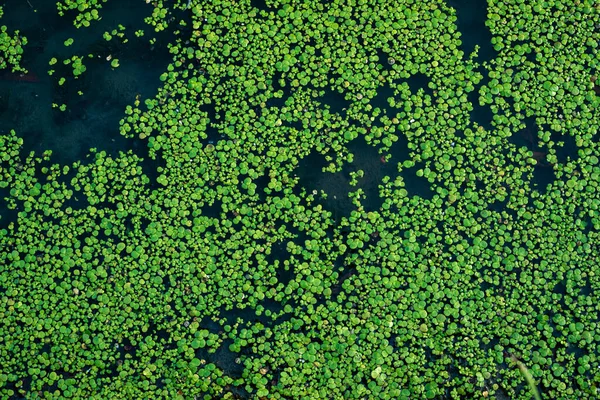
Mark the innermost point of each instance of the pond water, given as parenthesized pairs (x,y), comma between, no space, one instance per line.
(95,103)
(96,100)
(91,119)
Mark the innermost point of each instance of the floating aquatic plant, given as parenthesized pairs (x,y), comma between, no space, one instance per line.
(228,271)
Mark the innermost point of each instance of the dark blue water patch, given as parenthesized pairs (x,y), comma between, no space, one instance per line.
(277,83)
(399,153)
(95,101)
(337,288)
(213,133)
(244,313)
(285,273)
(149,166)
(543,177)
(238,392)
(35,19)
(212,325)
(334,100)
(417,185)
(226,360)
(501,206)
(385,60)
(283,99)
(213,209)
(276,309)
(565,146)
(263,7)
(528,136)
(313,180)
(481,114)
(342,268)
(369,160)
(23,388)
(262,185)
(596,87)
(471,16)
(7,216)
(381,100)
(416,82)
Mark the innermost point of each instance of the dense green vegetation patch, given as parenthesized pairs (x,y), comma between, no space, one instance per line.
(11,48)
(230,273)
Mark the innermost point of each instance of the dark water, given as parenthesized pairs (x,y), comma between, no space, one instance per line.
(471,16)
(91,119)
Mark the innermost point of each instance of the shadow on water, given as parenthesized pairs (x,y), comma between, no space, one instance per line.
(95,101)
